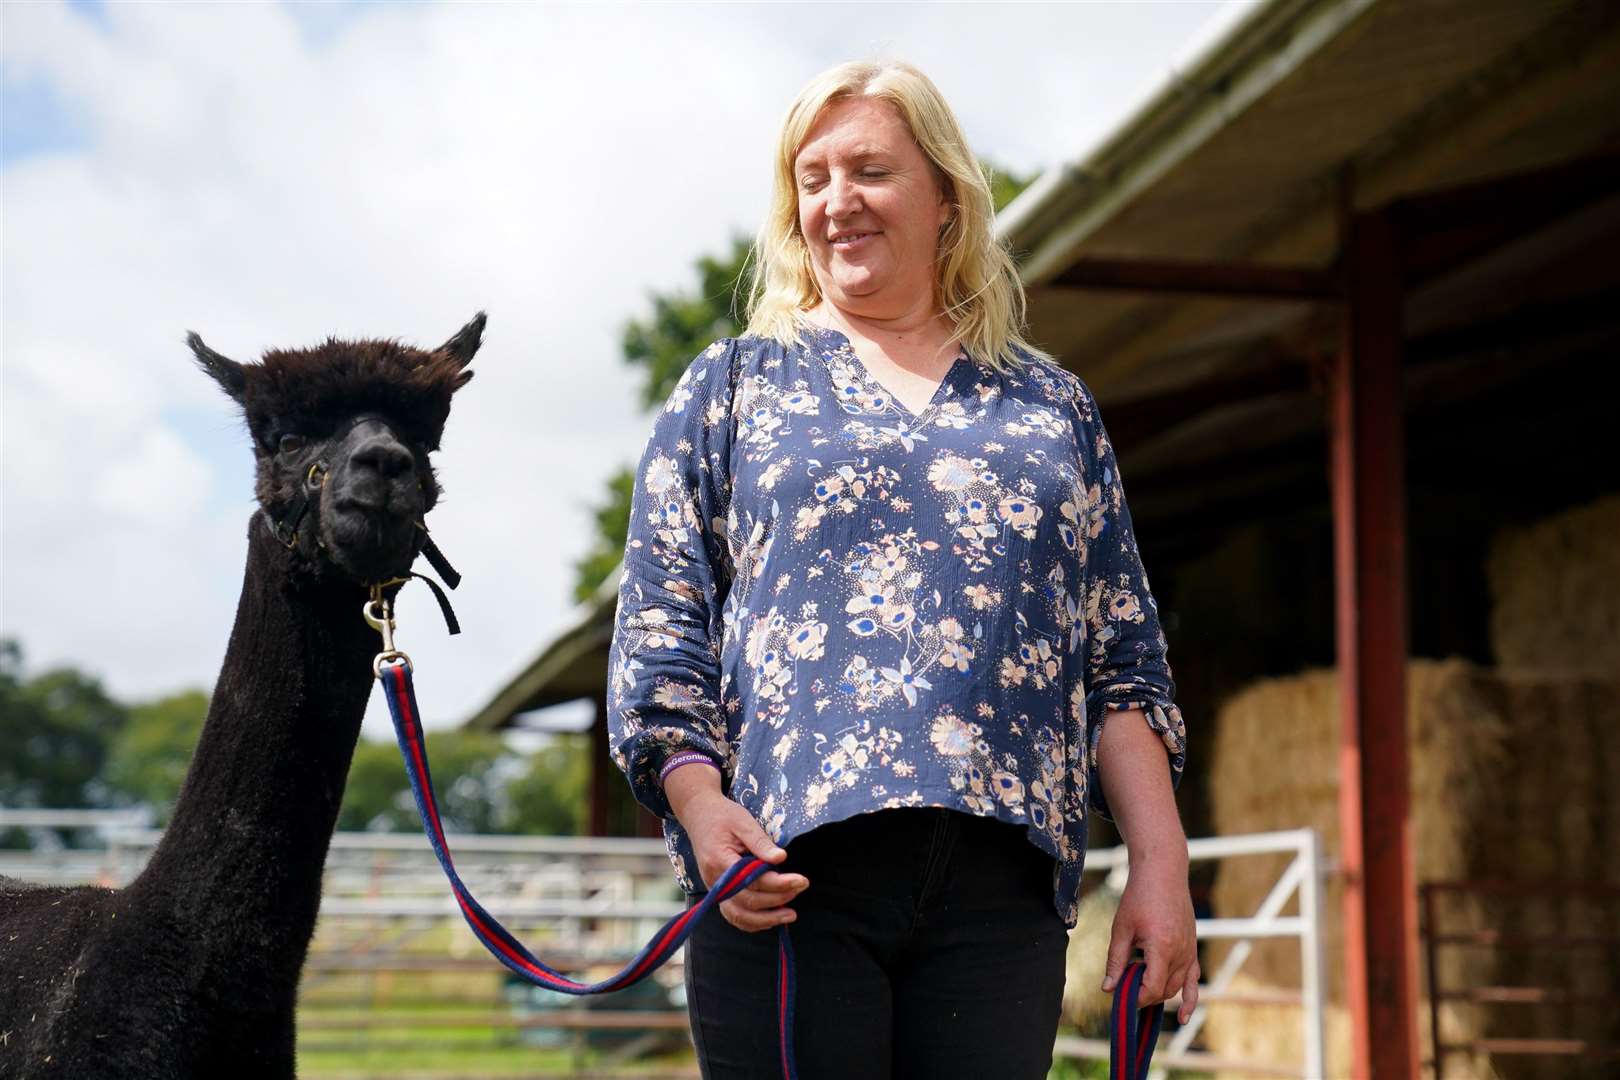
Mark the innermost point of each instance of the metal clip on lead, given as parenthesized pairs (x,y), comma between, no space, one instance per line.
(379,615)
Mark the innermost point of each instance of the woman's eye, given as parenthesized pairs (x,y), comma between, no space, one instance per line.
(290,444)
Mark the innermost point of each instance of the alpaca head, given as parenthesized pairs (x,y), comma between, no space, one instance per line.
(342,432)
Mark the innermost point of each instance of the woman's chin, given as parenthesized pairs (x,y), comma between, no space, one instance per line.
(857,281)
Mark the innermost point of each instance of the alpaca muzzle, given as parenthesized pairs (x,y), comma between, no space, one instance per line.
(285,529)
(362,502)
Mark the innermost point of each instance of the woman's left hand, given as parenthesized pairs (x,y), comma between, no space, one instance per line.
(1156,916)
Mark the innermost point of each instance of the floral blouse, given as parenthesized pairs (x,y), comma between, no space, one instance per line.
(847,606)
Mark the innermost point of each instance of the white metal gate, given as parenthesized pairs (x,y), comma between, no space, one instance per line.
(1303,875)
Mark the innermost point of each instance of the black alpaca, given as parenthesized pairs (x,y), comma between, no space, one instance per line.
(192,970)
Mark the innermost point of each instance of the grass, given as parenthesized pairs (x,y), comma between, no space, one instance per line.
(340,1037)
(516,1061)
(491,1053)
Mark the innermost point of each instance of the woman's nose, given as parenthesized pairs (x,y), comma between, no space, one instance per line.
(842,197)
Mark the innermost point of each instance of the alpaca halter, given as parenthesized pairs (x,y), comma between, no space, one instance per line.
(1132,1029)
(286,530)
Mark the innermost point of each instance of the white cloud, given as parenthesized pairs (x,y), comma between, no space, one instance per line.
(266,185)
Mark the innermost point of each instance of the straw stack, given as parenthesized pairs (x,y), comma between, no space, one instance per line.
(1558,820)
(1262,1032)
(1511,777)
(1555,629)
(1276,766)
(1555,592)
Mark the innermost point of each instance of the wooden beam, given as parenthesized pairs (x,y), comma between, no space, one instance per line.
(1137,421)
(1369,496)
(1234,279)
(1559,189)
(1444,230)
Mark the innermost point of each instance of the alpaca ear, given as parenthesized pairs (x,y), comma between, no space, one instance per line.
(225,371)
(465,343)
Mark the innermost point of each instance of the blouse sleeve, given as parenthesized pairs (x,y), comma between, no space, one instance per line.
(664,690)
(1125,664)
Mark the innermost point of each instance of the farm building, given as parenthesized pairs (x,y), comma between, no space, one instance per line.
(1344,289)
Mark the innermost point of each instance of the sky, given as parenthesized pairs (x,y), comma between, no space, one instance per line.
(268,174)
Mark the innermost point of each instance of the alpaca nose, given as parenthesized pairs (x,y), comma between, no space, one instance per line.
(385,455)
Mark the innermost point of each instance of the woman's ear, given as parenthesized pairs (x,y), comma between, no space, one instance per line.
(947,200)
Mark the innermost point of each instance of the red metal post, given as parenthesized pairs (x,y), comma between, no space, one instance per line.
(1369,495)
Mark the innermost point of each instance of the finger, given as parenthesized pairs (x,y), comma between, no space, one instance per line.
(755,900)
(754,921)
(760,899)
(1154,978)
(781,887)
(772,881)
(1189,993)
(1119,951)
(759,843)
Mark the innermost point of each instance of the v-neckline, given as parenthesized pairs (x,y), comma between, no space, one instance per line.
(941,391)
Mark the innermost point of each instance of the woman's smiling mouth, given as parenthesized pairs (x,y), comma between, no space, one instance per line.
(851,241)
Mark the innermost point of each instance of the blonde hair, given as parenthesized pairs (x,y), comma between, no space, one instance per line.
(975,278)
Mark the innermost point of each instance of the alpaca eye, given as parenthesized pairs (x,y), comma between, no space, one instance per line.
(289,444)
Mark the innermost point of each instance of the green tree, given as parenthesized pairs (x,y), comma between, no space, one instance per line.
(683,324)
(1004,185)
(55,728)
(612,527)
(482,786)
(149,757)
(466,777)
(54,731)
(551,795)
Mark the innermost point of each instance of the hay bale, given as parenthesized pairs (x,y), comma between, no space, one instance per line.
(1265,1033)
(1276,764)
(1559,821)
(1261,1032)
(1511,777)
(1555,592)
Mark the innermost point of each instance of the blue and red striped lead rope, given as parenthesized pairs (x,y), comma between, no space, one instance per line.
(1132,1030)
(401,695)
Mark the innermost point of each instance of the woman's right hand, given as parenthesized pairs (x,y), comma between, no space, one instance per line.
(722,832)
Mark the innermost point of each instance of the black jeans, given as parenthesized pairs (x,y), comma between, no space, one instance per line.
(927,945)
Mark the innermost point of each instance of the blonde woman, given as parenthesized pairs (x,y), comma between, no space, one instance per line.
(883,623)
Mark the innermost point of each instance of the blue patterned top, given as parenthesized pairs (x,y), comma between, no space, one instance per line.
(848,607)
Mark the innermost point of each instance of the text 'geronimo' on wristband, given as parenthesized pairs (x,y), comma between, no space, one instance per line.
(685,757)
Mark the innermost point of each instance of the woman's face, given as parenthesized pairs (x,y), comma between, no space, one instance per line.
(870,208)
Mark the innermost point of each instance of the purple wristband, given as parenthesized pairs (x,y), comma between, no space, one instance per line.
(685,757)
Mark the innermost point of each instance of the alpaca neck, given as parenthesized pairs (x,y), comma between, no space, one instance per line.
(240,863)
